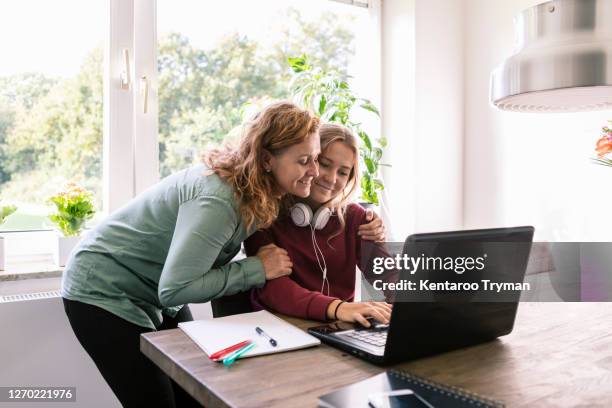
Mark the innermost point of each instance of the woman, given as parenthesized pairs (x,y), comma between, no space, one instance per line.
(172,245)
(322,283)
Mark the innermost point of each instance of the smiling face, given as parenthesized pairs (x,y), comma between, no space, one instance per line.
(295,167)
(336,164)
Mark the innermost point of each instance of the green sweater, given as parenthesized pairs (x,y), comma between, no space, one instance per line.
(169,246)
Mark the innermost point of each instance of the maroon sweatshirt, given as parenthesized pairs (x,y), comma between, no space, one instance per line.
(299,294)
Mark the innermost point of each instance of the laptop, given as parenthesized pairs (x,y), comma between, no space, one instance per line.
(446,320)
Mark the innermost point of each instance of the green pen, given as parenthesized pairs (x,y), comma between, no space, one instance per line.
(229,360)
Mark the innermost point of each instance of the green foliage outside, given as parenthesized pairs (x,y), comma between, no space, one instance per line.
(55,133)
(204,92)
(328,93)
(51,128)
(73,207)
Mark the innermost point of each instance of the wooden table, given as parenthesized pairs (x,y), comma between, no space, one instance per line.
(559,355)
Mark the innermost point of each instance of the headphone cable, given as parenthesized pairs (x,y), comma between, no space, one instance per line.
(324,267)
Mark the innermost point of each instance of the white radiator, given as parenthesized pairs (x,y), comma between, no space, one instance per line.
(38,348)
(30,296)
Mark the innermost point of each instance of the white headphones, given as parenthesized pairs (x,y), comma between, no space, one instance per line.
(302,216)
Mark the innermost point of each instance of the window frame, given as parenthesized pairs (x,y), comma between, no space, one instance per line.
(118,150)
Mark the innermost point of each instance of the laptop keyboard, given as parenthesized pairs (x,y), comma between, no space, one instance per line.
(376,338)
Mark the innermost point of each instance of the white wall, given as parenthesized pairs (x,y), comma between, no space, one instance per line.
(422,87)
(489,38)
(439,122)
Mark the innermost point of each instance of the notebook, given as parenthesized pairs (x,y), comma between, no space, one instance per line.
(213,335)
(436,394)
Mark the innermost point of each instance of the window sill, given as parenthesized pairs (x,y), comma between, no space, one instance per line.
(23,267)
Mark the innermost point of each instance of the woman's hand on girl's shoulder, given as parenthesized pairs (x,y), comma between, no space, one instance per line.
(374,230)
(275,260)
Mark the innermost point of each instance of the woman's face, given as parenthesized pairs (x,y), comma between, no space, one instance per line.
(335,165)
(296,167)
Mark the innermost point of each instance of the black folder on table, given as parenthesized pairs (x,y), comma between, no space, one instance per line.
(435,394)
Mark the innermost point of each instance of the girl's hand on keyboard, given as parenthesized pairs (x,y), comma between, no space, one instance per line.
(360,311)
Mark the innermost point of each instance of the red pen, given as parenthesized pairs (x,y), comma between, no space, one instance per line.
(219,354)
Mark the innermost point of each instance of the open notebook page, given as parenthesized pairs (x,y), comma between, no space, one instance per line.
(213,335)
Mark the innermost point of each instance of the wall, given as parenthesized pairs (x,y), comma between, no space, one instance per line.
(489,38)
(422,87)
(439,92)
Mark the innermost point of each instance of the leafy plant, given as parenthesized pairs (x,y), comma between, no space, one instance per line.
(5,211)
(73,207)
(329,95)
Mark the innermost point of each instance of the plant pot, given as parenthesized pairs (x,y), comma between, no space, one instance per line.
(2,254)
(63,249)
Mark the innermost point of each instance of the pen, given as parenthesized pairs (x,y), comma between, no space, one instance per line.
(263,333)
(221,353)
(229,360)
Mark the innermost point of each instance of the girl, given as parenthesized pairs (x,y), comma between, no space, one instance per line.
(324,249)
(172,245)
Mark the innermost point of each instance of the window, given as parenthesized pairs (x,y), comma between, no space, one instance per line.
(215,65)
(50,103)
(65,116)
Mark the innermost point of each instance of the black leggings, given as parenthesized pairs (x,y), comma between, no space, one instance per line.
(114,345)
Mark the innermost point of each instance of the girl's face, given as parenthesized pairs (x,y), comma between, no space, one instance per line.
(295,167)
(335,165)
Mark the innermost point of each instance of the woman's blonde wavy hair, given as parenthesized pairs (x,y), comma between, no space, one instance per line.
(276,128)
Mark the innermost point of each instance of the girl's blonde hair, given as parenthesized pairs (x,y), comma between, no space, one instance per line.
(274,129)
(329,134)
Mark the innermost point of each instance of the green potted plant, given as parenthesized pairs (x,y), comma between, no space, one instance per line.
(73,206)
(329,95)
(5,212)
